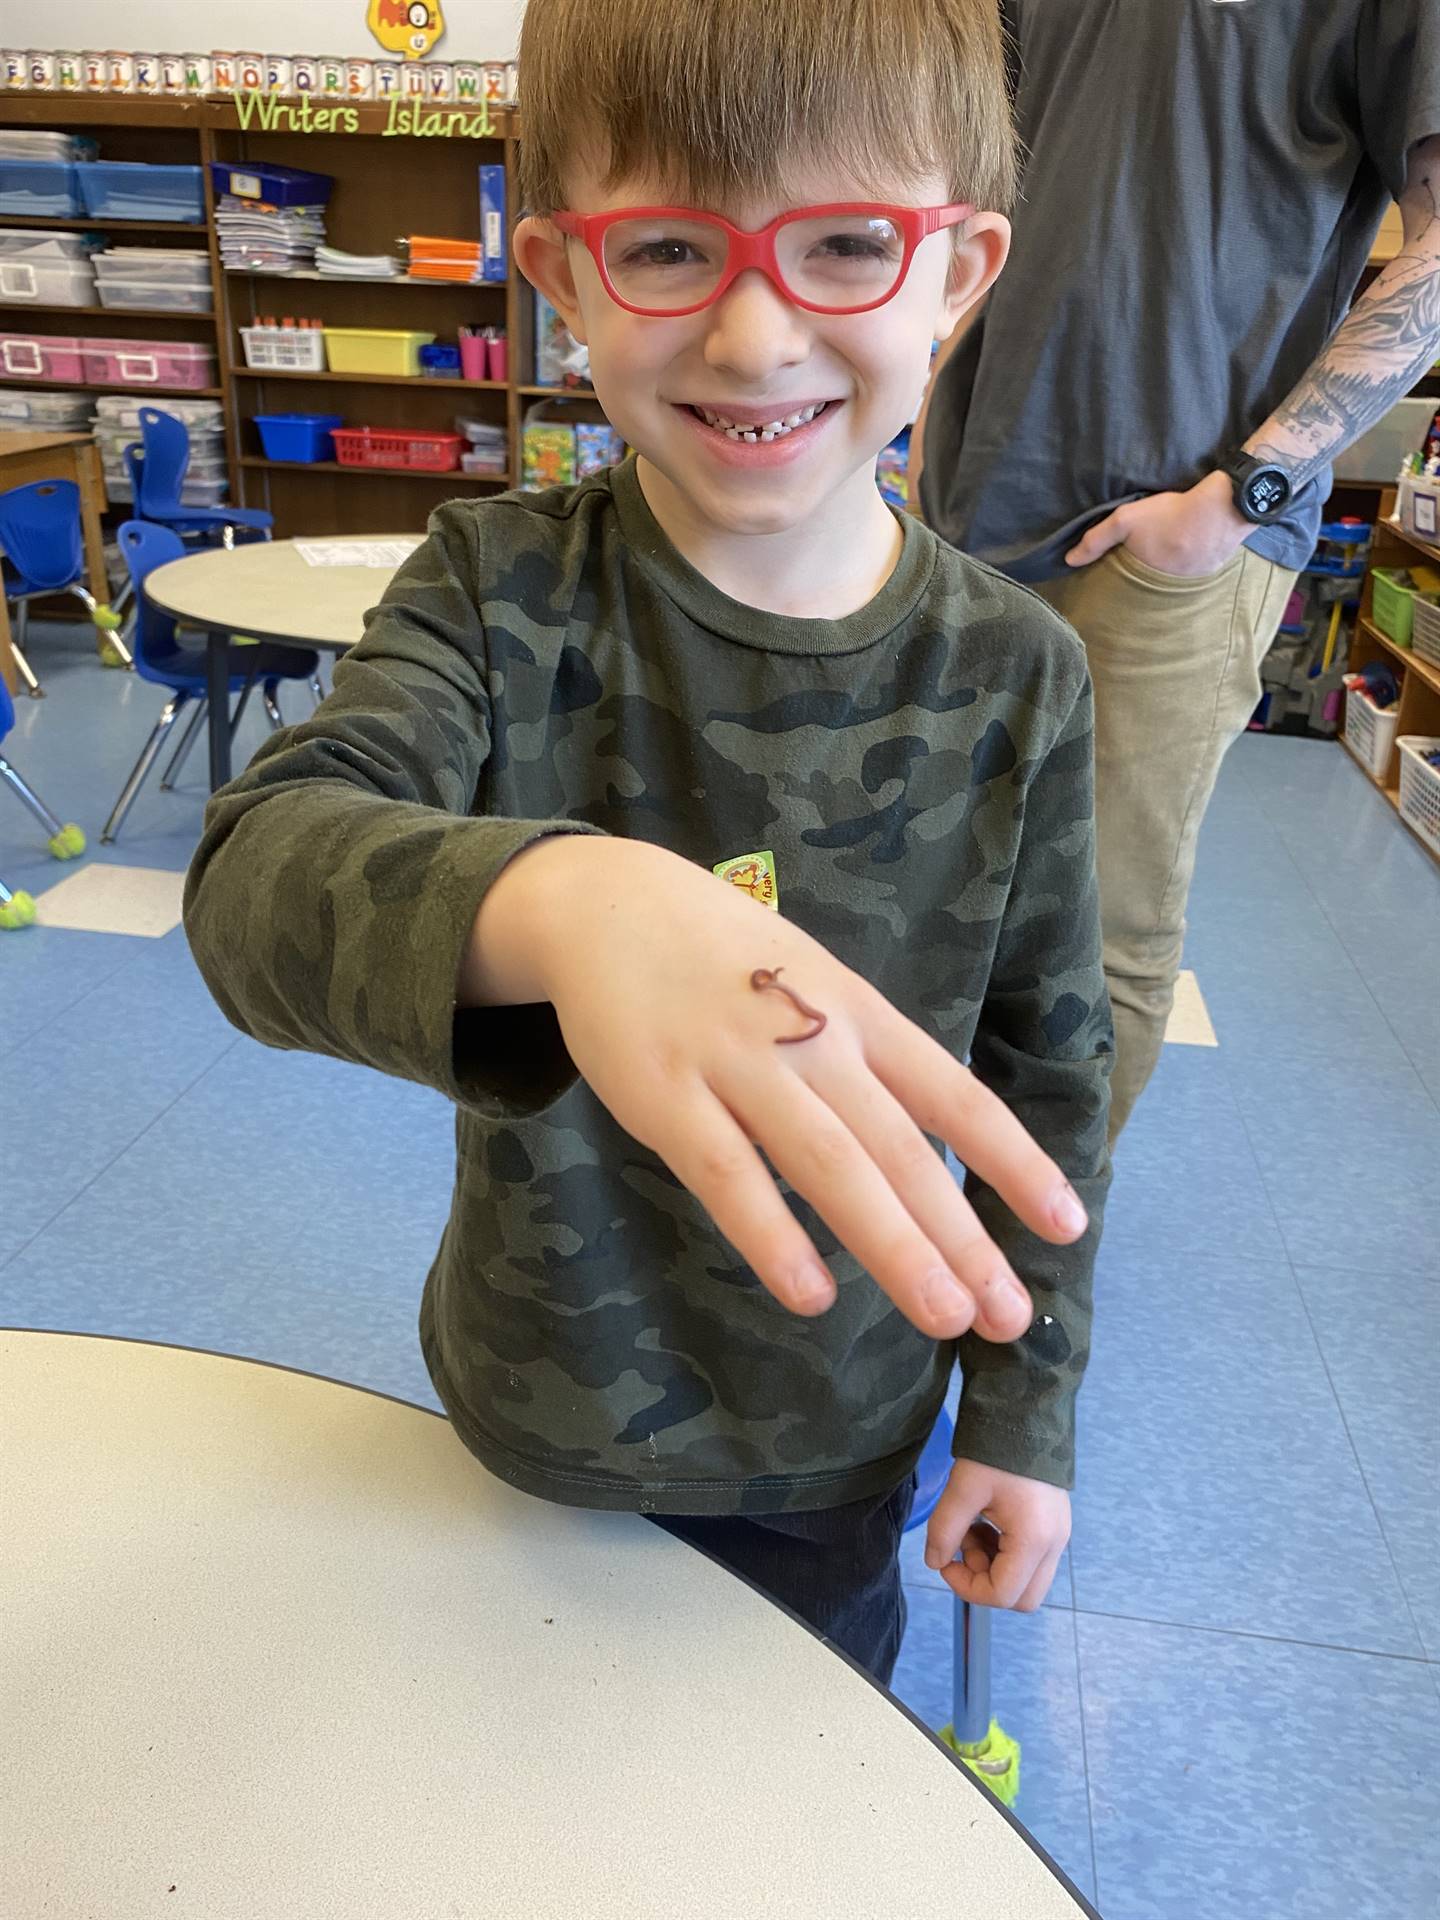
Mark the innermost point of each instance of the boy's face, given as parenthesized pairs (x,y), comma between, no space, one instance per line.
(754,358)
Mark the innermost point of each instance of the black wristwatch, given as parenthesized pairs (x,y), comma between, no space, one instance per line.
(1262,490)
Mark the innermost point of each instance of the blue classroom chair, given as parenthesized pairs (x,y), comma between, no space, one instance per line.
(44,553)
(163,657)
(65,841)
(157,466)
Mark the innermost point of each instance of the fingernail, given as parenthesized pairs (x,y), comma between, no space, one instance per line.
(943,1294)
(1067,1212)
(932,1559)
(813,1286)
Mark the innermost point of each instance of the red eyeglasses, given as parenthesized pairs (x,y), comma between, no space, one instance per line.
(665,261)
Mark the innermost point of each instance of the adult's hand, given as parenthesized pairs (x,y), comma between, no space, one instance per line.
(1187,534)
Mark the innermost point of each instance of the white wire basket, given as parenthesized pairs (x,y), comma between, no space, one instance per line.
(1420,788)
(1370,731)
(284,349)
(1425,634)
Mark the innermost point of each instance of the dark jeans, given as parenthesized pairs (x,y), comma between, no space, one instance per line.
(837,1568)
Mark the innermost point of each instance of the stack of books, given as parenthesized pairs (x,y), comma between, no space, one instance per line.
(257,238)
(459,261)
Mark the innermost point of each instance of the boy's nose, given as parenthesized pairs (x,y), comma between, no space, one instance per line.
(754,328)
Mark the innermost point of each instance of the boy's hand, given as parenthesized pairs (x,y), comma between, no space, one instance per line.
(995,1538)
(648,960)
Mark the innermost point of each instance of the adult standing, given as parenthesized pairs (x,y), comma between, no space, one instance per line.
(1142,422)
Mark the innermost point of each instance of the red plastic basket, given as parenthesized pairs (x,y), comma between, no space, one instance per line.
(369,447)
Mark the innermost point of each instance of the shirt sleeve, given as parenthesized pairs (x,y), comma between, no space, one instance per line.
(1398,71)
(337,880)
(1044,1043)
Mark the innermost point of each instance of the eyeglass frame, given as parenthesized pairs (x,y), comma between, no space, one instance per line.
(755,248)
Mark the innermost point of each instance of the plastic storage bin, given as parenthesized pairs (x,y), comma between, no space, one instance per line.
(275,186)
(1420,788)
(171,266)
(1418,508)
(157,295)
(304,437)
(1370,731)
(375,349)
(116,410)
(41,356)
(1425,636)
(1394,606)
(45,189)
(49,411)
(148,363)
(137,190)
(46,283)
(194,493)
(288,349)
(385,447)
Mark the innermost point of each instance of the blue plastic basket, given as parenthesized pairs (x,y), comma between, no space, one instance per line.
(135,190)
(298,436)
(42,188)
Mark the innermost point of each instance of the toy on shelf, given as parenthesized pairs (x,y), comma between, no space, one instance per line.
(560,359)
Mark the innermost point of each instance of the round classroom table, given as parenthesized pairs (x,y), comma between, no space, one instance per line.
(274,1646)
(267,590)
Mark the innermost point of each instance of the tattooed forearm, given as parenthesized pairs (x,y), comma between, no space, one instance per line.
(1387,342)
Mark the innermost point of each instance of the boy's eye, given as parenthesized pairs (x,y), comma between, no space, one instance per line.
(659,253)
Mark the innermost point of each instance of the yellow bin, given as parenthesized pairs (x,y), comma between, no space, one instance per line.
(374,349)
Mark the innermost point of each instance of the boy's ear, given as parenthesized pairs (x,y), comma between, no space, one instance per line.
(974,268)
(543,257)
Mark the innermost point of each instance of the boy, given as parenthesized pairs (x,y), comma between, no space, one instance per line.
(492,860)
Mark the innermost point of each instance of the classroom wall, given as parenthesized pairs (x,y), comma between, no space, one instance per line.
(474,29)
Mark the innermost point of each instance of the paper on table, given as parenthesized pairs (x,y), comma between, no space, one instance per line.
(355,553)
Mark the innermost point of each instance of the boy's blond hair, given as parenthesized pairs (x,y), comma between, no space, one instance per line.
(723,99)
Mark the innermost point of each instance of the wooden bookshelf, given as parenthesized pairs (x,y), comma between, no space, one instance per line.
(373,203)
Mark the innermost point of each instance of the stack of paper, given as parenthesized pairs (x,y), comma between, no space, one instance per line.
(257,238)
(461,261)
(358,266)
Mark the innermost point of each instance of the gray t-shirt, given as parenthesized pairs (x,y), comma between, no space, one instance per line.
(1205,182)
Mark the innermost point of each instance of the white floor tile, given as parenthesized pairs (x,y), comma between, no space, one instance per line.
(106,899)
(1189,1024)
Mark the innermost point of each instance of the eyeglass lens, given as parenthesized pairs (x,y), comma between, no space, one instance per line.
(670,263)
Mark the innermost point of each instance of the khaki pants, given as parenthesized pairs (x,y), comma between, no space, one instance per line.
(1176,667)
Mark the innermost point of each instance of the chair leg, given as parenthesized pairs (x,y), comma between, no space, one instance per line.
(235,717)
(187,740)
(148,756)
(272,705)
(17,647)
(317,687)
(981,1742)
(28,798)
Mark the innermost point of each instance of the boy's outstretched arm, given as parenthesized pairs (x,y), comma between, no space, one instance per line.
(1044,1044)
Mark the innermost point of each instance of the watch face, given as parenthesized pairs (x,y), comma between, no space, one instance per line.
(1267,491)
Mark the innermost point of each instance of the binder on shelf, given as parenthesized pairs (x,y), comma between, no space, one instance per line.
(493,237)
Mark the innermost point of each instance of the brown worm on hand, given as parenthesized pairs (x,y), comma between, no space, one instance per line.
(764,980)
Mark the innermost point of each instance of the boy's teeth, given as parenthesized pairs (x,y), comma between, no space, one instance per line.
(767,430)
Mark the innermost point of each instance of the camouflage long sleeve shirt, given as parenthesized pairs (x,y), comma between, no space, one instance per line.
(912,785)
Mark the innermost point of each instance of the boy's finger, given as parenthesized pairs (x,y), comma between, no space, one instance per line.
(952,1524)
(716,1161)
(1009,1576)
(945,1098)
(1033,1597)
(927,1189)
(810,1146)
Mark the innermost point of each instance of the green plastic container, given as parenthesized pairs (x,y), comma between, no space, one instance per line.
(1394,606)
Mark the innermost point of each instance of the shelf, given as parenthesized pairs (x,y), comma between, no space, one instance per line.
(559,393)
(7,307)
(1410,660)
(368,379)
(102,386)
(1413,540)
(406,473)
(314,278)
(107,226)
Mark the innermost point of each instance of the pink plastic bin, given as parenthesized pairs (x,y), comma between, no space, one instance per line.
(40,356)
(148,363)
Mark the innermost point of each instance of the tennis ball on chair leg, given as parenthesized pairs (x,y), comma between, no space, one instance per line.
(68,843)
(17,911)
(107,619)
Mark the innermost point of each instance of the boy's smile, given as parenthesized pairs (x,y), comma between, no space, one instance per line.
(756,421)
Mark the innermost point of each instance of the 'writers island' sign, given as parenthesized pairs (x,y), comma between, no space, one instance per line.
(273,115)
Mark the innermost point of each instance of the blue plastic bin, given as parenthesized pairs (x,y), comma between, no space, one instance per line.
(298,436)
(272,186)
(134,190)
(43,188)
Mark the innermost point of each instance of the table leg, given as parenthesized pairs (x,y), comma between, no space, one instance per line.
(8,670)
(217,668)
(90,479)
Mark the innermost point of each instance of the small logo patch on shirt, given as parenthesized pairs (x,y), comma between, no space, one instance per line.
(753,873)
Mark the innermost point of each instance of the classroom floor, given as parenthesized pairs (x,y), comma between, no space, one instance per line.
(1232,1701)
